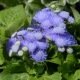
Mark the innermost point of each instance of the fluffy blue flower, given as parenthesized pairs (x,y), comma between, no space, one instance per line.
(64,14)
(54,27)
(56,20)
(33,35)
(71,20)
(39,56)
(29,40)
(32,46)
(45,18)
(43,14)
(42,45)
(38,35)
(46,25)
(65,39)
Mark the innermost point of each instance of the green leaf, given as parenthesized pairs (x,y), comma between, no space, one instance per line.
(39,68)
(1,57)
(75,76)
(2,35)
(55,76)
(70,59)
(12,19)
(72,1)
(68,65)
(33,78)
(76,15)
(15,66)
(35,69)
(16,76)
(55,60)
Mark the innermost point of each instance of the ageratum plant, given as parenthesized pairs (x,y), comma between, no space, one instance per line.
(40,40)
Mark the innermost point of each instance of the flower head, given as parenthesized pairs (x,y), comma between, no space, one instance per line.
(64,14)
(39,56)
(71,20)
(65,39)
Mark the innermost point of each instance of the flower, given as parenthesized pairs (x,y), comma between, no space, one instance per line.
(71,20)
(30,40)
(65,39)
(56,20)
(64,14)
(39,56)
(46,25)
(54,26)
(44,18)
(43,14)
(42,45)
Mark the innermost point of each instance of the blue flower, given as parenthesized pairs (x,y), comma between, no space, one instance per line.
(64,14)
(39,56)
(65,39)
(44,18)
(54,26)
(42,45)
(71,20)
(46,25)
(31,46)
(56,20)
(43,14)
(30,40)
(38,35)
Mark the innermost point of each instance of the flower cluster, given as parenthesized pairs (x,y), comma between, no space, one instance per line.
(28,40)
(53,25)
(46,25)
